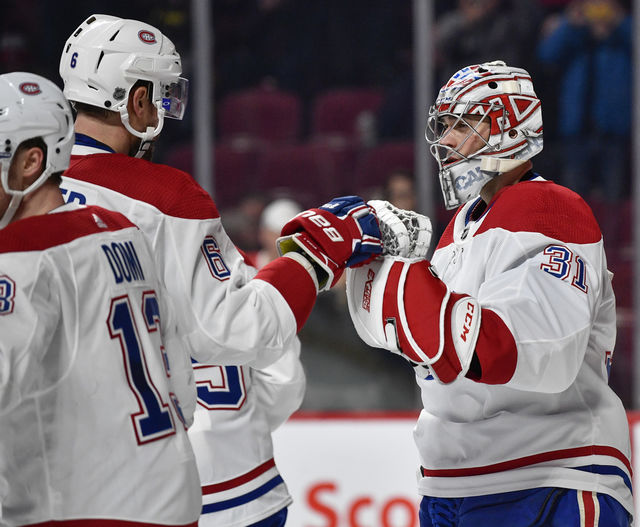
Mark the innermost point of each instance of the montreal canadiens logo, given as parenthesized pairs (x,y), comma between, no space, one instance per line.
(30,88)
(147,37)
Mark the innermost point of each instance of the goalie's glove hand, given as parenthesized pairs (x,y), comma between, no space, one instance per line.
(341,233)
(404,233)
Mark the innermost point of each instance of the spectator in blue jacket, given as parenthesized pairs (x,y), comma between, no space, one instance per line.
(589,51)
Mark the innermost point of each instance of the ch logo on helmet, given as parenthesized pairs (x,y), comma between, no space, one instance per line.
(147,36)
(30,88)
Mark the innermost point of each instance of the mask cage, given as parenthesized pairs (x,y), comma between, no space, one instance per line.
(473,114)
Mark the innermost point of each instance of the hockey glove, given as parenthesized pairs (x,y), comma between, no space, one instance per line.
(404,233)
(341,233)
(404,307)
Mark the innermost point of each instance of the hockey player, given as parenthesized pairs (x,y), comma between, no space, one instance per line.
(92,377)
(238,409)
(511,326)
(123,77)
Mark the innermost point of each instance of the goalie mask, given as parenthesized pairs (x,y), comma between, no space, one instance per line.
(104,58)
(30,107)
(490,97)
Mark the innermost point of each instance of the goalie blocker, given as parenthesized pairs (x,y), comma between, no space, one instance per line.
(401,305)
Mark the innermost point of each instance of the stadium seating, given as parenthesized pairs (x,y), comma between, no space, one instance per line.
(261,115)
(376,164)
(345,114)
(311,172)
(234,170)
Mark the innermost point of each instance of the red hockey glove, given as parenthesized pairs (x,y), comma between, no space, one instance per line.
(342,233)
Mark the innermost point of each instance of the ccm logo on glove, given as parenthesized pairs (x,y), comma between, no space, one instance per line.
(331,232)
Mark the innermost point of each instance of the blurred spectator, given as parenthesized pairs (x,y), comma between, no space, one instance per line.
(242,222)
(484,30)
(399,190)
(273,218)
(589,48)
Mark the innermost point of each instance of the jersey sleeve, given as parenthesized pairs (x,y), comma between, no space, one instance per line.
(227,317)
(230,317)
(280,387)
(181,376)
(543,298)
(29,317)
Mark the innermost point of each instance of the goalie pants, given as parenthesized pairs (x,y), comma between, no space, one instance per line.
(542,507)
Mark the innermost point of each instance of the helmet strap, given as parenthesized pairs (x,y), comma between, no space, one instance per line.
(148,136)
(17,195)
(8,215)
(494,165)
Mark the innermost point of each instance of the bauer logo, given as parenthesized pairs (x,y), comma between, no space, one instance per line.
(30,88)
(147,37)
(366,295)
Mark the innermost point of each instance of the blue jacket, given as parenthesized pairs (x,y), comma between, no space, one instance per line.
(598,70)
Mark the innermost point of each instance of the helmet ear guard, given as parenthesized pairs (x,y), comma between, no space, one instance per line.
(32,107)
(506,97)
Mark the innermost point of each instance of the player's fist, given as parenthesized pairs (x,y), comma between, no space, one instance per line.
(341,233)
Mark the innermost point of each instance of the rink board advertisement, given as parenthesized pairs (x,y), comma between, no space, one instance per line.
(359,470)
(349,470)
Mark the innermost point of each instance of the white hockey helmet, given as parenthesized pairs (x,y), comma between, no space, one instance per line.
(107,55)
(30,107)
(499,95)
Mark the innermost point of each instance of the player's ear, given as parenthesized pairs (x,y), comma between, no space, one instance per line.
(30,164)
(137,98)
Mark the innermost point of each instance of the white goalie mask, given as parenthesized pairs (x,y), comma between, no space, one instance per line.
(31,107)
(106,55)
(501,98)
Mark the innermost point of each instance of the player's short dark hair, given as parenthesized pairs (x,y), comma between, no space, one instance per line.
(88,109)
(103,113)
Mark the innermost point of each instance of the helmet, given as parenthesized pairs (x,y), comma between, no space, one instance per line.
(107,55)
(500,96)
(32,106)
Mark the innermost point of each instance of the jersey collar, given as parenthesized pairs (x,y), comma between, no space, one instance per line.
(88,145)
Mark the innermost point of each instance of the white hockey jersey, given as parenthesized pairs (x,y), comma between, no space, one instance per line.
(227,317)
(542,413)
(230,319)
(90,423)
(238,408)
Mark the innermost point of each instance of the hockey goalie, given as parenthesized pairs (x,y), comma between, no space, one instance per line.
(510,325)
